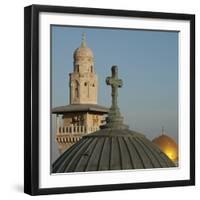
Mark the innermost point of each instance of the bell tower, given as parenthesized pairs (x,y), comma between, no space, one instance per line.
(83,115)
(83,82)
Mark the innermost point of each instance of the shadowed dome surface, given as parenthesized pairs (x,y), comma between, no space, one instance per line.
(168,146)
(111,149)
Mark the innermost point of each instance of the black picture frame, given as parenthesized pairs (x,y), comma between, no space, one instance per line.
(31,98)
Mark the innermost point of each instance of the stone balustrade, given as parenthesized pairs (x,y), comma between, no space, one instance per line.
(77,129)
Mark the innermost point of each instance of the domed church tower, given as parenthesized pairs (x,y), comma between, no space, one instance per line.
(83,81)
(113,147)
(83,115)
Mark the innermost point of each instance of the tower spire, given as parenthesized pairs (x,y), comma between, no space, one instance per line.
(83,43)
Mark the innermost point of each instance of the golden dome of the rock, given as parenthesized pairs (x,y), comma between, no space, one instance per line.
(168,146)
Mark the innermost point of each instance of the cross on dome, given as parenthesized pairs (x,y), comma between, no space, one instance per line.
(114,119)
(114,82)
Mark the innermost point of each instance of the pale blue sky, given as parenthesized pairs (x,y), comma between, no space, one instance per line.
(147,63)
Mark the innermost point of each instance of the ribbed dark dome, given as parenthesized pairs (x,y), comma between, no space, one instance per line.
(111,149)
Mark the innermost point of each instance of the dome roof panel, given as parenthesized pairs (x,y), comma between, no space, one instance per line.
(101,152)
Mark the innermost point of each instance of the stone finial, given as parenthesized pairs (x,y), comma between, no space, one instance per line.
(83,43)
(114,119)
(163,130)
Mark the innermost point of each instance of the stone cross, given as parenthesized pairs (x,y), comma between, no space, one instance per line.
(114,120)
(115,83)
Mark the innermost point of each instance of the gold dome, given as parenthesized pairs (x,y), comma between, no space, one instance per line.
(168,146)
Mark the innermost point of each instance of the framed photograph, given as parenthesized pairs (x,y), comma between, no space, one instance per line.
(109,99)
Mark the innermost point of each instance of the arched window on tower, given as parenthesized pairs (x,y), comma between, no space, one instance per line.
(77,68)
(91,68)
(76,89)
(88,92)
